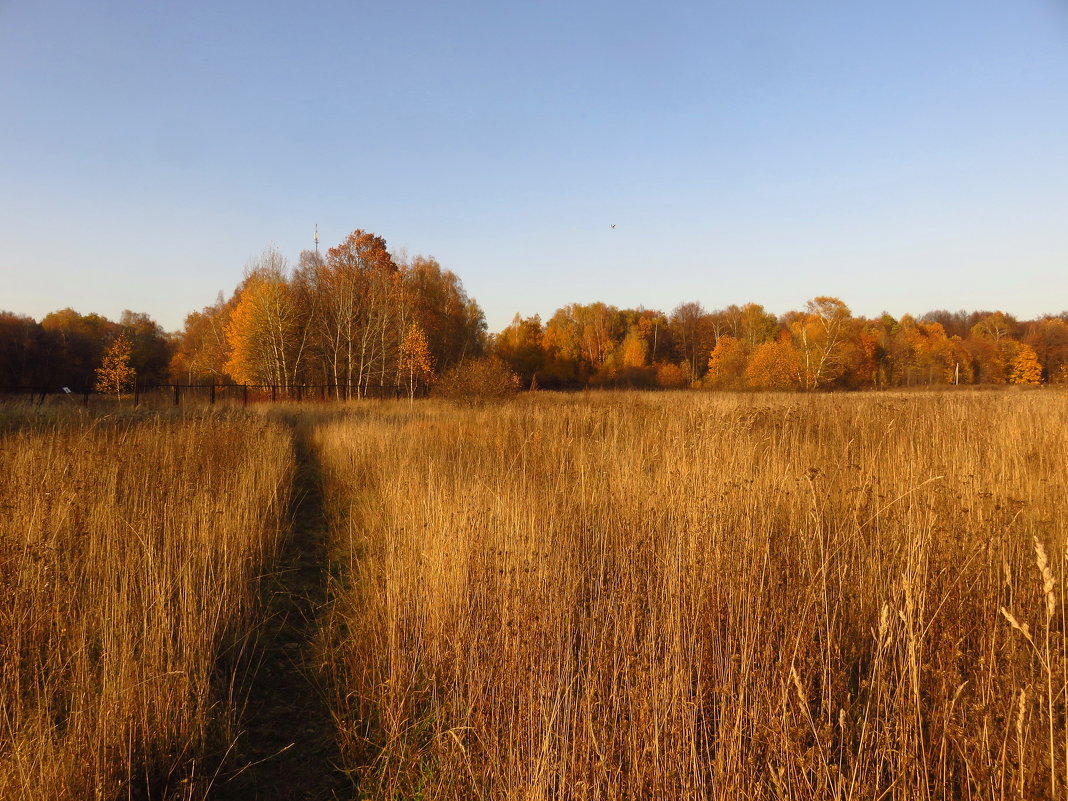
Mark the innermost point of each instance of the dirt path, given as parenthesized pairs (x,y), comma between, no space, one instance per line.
(287,750)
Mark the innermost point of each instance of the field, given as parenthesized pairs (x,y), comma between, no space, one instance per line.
(595,596)
(129,552)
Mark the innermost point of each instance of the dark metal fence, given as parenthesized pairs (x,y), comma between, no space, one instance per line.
(209,394)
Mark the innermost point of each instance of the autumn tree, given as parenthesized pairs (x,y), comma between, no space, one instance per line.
(727,363)
(932,354)
(955,324)
(360,316)
(266,331)
(693,336)
(601,329)
(653,326)
(454,325)
(589,344)
(416,363)
(1048,338)
(1025,367)
(862,356)
(115,373)
(562,340)
(777,366)
(750,323)
(633,350)
(628,362)
(582,344)
(339,320)
(996,326)
(992,346)
(921,353)
(519,346)
(202,350)
(819,336)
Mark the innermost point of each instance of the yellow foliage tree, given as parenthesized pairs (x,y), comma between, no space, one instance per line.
(819,338)
(519,345)
(634,349)
(115,373)
(263,331)
(416,363)
(1026,369)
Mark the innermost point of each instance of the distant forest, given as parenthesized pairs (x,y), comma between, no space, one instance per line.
(363,318)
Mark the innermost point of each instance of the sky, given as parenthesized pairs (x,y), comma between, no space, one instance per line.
(903,156)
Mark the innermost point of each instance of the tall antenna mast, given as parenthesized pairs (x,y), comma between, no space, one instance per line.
(317,239)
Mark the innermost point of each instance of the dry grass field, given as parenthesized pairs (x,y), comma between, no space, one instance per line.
(636,596)
(129,553)
(596,596)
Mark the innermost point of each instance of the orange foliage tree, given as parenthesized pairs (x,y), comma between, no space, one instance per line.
(520,347)
(778,366)
(672,376)
(992,347)
(1025,369)
(633,350)
(727,363)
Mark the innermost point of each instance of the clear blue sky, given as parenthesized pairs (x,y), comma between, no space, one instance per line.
(901,155)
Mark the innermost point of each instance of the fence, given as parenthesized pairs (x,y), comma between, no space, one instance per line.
(210,394)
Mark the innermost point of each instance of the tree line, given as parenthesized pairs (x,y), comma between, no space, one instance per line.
(66,348)
(822,346)
(358,319)
(362,320)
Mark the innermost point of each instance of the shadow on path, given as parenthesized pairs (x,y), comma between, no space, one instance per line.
(287,749)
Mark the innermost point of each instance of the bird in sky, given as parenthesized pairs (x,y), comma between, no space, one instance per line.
(613,225)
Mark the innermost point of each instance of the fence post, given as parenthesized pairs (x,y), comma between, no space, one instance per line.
(274,393)
(244,394)
(137,393)
(176,393)
(299,393)
(85,400)
(211,395)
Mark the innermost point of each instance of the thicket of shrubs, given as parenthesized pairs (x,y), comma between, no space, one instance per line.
(476,381)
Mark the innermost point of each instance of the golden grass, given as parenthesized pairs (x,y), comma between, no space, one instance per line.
(130,548)
(639,596)
(600,596)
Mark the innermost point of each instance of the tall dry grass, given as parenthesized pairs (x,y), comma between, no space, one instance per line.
(688,596)
(130,548)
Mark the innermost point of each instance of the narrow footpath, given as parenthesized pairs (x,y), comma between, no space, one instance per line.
(287,750)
